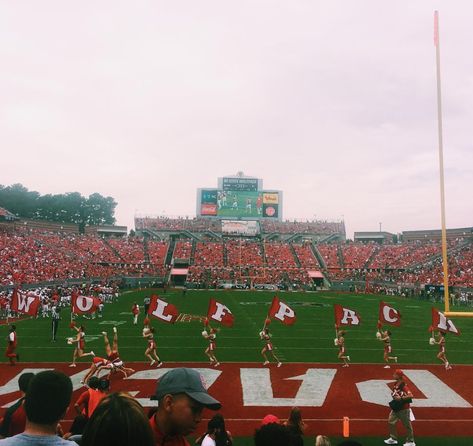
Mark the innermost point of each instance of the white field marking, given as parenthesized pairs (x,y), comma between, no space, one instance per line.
(112,322)
(91,338)
(258,391)
(209,376)
(258,347)
(126,313)
(437,393)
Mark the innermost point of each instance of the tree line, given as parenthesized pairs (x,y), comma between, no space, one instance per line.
(70,207)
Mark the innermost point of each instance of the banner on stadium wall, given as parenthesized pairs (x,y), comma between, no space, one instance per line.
(240,227)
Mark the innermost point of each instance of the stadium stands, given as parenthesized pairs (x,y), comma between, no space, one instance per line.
(30,255)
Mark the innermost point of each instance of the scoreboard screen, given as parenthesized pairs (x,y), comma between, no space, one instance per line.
(239,204)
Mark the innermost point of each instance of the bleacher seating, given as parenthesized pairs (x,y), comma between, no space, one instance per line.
(34,255)
(183,250)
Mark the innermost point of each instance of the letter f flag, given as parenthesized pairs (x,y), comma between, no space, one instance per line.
(220,313)
(345,316)
(282,312)
(389,315)
(162,310)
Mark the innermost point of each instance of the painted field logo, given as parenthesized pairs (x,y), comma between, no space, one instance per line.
(325,393)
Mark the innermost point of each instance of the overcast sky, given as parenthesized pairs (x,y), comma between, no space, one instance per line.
(332,102)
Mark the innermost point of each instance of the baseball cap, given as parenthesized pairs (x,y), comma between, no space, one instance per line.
(268,419)
(188,381)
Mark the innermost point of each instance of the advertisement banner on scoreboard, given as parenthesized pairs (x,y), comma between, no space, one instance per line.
(208,206)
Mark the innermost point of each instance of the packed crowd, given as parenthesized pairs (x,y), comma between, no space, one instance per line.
(34,256)
(303,227)
(267,226)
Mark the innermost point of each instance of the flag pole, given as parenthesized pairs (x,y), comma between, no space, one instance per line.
(441,165)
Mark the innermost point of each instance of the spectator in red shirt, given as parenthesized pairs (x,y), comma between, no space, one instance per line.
(88,400)
(182,397)
(15,417)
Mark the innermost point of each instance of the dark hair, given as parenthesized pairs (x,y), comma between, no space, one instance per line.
(388,332)
(24,381)
(93,382)
(48,396)
(217,423)
(272,434)
(104,384)
(118,420)
(295,421)
(12,328)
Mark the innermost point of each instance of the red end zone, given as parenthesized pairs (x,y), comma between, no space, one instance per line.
(325,393)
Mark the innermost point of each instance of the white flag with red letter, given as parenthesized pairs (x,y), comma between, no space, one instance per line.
(345,316)
(220,313)
(162,310)
(27,303)
(389,315)
(84,304)
(282,312)
(441,323)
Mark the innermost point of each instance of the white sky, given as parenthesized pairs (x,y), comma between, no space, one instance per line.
(333,102)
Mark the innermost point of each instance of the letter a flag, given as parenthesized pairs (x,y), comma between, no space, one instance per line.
(26,303)
(389,315)
(220,313)
(441,323)
(282,312)
(162,310)
(345,316)
(84,304)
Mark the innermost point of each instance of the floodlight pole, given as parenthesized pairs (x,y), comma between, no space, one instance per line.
(442,181)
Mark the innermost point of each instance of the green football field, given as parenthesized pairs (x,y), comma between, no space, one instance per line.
(310,339)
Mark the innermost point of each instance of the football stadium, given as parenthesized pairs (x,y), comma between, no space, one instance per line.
(236,223)
(274,314)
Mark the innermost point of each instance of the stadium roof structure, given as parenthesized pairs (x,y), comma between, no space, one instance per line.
(5,214)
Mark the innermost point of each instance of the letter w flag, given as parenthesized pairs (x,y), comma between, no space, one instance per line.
(25,302)
(162,310)
(84,304)
(389,315)
(282,312)
(220,313)
(345,316)
(441,323)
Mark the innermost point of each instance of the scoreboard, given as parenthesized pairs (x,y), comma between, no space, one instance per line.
(239,198)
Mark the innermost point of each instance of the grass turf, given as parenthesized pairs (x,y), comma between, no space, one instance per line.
(310,339)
